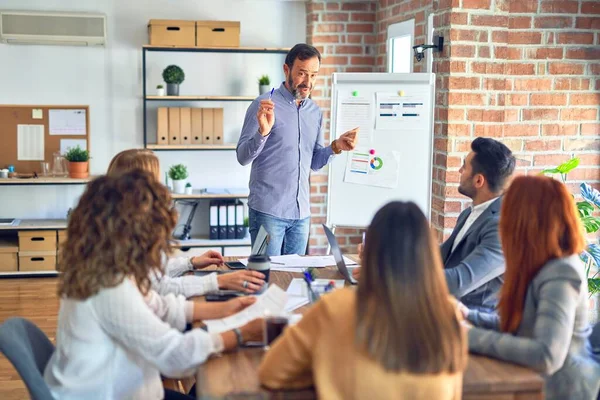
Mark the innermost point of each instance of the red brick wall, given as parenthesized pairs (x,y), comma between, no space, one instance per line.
(344,33)
(523,72)
(526,72)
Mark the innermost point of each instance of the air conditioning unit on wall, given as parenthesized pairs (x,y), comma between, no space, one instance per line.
(68,29)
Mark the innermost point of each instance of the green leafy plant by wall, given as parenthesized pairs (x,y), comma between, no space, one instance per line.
(591,223)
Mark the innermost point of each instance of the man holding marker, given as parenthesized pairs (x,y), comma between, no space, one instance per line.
(283,138)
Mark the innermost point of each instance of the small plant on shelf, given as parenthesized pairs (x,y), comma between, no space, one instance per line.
(78,162)
(160,90)
(178,174)
(173,76)
(264,84)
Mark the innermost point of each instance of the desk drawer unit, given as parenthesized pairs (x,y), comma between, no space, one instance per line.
(8,256)
(37,240)
(44,261)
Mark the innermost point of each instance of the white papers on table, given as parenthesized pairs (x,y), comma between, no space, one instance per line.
(298,292)
(353,112)
(395,112)
(382,168)
(300,262)
(67,122)
(272,301)
(30,142)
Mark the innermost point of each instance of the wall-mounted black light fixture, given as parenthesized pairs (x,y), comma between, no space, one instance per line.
(438,45)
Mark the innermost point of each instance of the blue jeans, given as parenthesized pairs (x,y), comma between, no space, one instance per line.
(287,236)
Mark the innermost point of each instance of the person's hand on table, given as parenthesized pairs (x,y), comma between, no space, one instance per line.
(244,281)
(211,257)
(265,117)
(356,273)
(253,330)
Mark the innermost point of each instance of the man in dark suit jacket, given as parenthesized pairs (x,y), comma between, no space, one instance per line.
(472,255)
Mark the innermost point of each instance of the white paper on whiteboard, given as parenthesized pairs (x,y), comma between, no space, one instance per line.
(30,142)
(352,112)
(67,122)
(381,169)
(66,144)
(395,112)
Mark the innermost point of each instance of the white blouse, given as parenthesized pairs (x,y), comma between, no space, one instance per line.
(116,344)
(189,285)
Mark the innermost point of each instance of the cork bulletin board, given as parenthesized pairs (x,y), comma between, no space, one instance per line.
(16,118)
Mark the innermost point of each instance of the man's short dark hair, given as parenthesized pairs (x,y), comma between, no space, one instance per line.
(493,160)
(301,51)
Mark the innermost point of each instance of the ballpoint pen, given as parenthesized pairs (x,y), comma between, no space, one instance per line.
(271,94)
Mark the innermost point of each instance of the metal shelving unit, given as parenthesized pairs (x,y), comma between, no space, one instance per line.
(146,98)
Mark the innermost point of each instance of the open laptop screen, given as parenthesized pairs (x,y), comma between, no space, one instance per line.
(337,255)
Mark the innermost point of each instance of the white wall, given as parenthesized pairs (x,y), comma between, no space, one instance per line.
(109,80)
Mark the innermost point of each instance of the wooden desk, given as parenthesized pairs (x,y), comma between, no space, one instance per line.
(234,375)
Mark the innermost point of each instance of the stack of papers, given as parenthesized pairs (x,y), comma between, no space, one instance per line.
(297,292)
(296,263)
(272,301)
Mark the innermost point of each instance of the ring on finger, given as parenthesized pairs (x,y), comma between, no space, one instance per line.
(245,284)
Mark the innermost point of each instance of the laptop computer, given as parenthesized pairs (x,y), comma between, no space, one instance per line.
(338,257)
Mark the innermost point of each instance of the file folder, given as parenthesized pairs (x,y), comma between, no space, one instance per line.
(222,221)
(196,126)
(231,220)
(162,126)
(239,220)
(218,126)
(174,126)
(185,120)
(207,126)
(214,221)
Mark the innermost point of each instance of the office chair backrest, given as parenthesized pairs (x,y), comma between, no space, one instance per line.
(28,349)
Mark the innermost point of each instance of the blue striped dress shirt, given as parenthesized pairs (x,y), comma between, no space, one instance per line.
(282,160)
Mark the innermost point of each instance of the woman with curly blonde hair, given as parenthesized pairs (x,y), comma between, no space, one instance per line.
(115,336)
(169,280)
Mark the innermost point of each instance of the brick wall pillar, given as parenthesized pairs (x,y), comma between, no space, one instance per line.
(343,31)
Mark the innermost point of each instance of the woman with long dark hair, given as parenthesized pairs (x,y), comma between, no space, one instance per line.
(396,336)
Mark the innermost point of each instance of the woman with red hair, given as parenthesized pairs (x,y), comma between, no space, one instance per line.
(542,313)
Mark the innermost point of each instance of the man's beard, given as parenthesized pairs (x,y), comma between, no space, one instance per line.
(467,191)
(294,90)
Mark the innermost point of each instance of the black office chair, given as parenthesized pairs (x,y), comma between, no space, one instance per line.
(28,349)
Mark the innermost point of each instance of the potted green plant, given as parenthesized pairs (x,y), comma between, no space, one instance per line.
(587,208)
(178,174)
(173,76)
(78,160)
(264,84)
(160,90)
(246,226)
(188,188)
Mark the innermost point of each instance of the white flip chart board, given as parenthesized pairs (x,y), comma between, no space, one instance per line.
(394,155)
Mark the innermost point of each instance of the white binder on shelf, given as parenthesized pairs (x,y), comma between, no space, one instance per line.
(214,221)
(222,221)
(231,220)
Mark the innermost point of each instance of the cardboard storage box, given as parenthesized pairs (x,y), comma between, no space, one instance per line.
(37,241)
(8,256)
(61,236)
(217,34)
(164,32)
(41,262)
